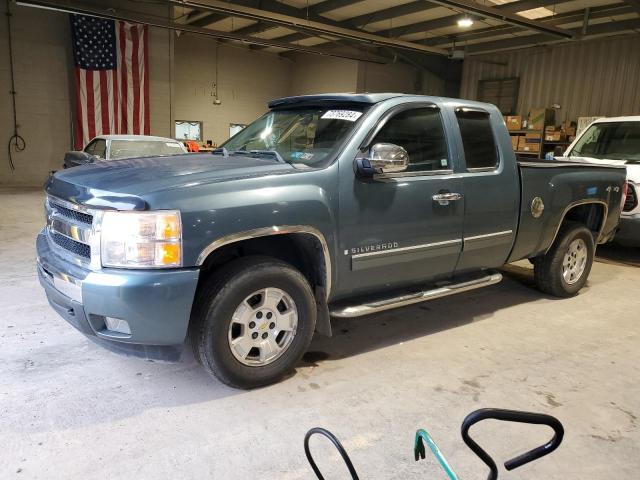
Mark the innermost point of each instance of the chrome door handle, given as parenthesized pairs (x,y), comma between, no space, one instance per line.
(445,198)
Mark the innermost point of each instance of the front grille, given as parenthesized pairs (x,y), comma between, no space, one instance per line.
(72,214)
(69,229)
(77,248)
(632,200)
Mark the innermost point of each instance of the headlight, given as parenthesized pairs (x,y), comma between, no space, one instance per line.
(141,239)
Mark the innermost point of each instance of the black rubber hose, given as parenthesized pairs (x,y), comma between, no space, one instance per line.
(16,141)
(338,446)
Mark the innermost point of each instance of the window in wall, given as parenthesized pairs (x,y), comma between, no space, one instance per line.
(235,128)
(503,93)
(188,130)
(419,131)
(477,139)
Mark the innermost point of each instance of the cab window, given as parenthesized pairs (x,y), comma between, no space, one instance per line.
(421,133)
(480,151)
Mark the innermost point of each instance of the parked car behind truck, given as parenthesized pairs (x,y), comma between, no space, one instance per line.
(615,141)
(117,147)
(328,205)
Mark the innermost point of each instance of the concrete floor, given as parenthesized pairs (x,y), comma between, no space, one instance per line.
(69,409)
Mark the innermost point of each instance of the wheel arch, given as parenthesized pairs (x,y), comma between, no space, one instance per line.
(592,213)
(310,252)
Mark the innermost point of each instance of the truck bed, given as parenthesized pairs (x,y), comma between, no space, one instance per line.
(562,186)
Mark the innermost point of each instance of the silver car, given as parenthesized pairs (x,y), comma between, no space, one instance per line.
(116,147)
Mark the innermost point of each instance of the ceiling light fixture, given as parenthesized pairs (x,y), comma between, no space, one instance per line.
(465,22)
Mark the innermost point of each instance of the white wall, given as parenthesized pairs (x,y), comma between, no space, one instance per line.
(247,80)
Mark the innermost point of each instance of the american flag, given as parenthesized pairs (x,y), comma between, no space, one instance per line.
(112,78)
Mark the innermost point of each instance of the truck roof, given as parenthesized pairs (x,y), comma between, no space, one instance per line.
(635,118)
(364,98)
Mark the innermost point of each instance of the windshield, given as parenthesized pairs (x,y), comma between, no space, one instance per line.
(143,148)
(614,141)
(304,137)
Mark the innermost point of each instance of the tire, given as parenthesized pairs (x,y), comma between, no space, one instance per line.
(241,333)
(559,271)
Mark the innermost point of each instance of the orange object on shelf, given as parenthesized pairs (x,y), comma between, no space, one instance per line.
(192,146)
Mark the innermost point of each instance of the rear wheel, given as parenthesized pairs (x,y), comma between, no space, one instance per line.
(564,269)
(253,321)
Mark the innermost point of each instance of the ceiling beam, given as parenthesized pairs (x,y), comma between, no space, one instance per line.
(329,5)
(302,23)
(469,6)
(543,39)
(635,4)
(602,11)
(424,26)
(104,10)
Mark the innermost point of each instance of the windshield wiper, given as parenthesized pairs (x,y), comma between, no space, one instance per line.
(271,154)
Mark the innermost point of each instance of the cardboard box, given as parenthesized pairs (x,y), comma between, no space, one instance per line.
(551,129)
(530,142)
(514,141)
(567,124)
(570,131)
(555,137)
(539,118)
(514,122)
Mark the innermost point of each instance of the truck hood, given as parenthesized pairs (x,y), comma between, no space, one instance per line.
(138,176)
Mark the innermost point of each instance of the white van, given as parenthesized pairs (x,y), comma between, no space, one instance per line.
(615,140)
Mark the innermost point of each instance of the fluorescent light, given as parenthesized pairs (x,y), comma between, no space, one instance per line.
(465,22)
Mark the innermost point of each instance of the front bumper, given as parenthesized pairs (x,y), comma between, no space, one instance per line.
(629,230)
(155,303)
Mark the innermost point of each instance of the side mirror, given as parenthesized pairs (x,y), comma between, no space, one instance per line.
(383,158)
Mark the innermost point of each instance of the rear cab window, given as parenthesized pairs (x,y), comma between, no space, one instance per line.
(478,140)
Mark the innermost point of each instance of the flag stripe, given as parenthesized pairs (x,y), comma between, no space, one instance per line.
(123,81)
(104,102)
(91,113)
(135,44)
(147,107)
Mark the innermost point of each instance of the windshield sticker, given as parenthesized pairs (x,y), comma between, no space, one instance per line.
(348,115)
(302,155)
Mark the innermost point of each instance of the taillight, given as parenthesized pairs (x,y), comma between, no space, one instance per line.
(625,190)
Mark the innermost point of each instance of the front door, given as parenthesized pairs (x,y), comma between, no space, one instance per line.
(396,230)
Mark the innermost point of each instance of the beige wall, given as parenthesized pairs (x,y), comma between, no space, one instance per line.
(319,74)
(597,77)
(42,59)
(247,80)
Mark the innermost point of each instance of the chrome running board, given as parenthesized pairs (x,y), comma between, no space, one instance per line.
(416,297)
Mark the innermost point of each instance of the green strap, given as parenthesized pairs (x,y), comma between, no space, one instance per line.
(422,434)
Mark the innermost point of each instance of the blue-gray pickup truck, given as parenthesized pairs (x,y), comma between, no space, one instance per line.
(328,205)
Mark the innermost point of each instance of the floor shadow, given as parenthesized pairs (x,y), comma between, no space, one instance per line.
(355,336)
(618,255)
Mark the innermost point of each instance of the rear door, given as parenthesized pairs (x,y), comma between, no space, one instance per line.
(491,188)
(393,232)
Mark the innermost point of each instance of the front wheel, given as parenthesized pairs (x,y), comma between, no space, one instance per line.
(253,321)
(564,269)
